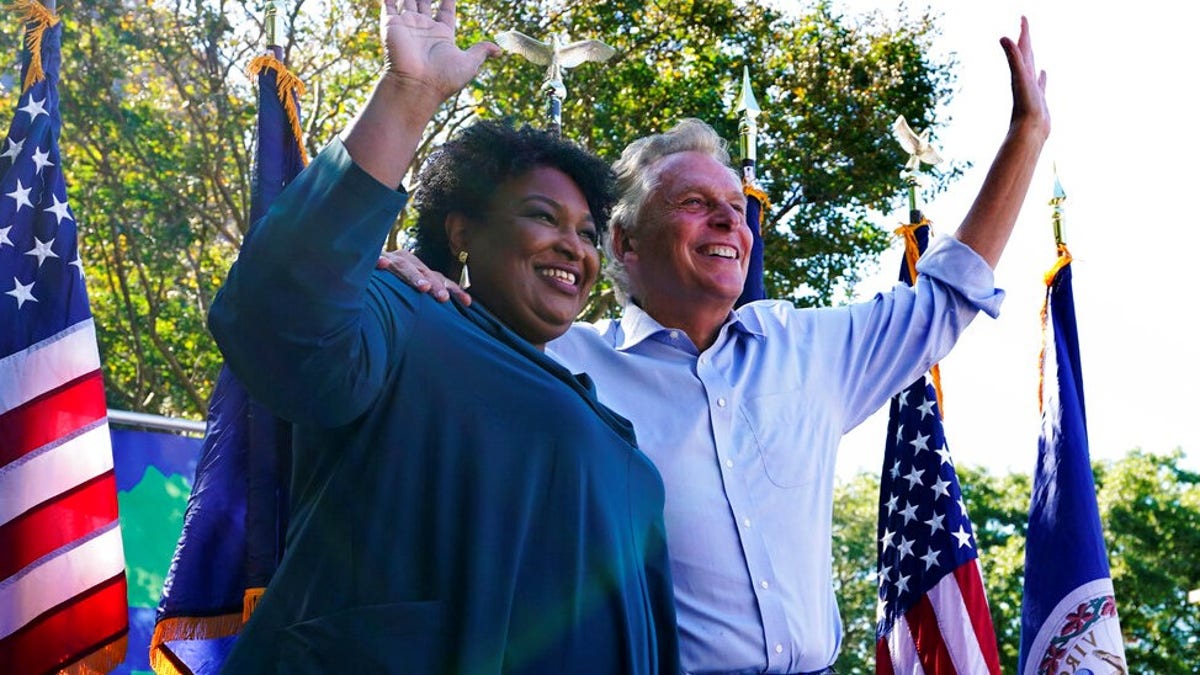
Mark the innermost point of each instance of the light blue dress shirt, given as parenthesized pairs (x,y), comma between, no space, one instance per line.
(745,434)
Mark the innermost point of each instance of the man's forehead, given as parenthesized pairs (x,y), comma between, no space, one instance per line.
(695,171)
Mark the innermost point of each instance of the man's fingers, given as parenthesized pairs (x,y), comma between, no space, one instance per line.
(463,296)
(416,274)
(446,13)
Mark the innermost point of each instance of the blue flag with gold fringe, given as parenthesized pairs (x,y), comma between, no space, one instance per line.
(236,517)
(756,203)
(1069,617)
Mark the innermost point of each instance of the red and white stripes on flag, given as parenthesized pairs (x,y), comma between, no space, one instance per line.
(62,568)
(921,643)
(63,592)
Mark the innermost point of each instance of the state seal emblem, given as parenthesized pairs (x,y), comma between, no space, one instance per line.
(1081,636)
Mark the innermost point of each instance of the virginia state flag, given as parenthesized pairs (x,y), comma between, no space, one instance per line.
(234,526)
(63,593)
(1069,614)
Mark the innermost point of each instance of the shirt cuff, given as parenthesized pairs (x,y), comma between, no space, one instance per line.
(959,267)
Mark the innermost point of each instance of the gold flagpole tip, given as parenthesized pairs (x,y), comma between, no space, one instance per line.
(271,24)
(746,102)
(1056,216)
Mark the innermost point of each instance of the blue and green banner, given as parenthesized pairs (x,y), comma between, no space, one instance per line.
(154,477)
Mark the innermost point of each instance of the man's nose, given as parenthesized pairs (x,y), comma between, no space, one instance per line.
(727,216)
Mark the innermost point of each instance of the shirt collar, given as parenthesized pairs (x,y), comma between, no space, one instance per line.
(637,326)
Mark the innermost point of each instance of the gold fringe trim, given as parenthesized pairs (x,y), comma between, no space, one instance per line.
(935,374)
(912,253)
(250,601)
(751,190)
(188,628)
(1064,259)
(38,19)
(103,660)
(288,87)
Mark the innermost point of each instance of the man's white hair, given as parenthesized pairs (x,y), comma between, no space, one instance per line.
(636,180)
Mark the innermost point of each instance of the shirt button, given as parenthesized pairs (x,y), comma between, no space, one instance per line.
(729,463)
(778,649)
(764,584)
(721,402)
(674,335)
(746,522)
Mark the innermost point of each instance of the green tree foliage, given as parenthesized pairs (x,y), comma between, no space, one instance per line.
(1150,509)
(154,156)
(159,114)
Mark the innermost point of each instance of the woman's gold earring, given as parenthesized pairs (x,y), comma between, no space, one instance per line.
(464,279)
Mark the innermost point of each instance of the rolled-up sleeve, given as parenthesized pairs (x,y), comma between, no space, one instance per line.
(895,337)
(960,268)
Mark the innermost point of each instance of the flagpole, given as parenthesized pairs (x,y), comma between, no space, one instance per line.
(914,213)
(555,111)
(754,287)
(920,151)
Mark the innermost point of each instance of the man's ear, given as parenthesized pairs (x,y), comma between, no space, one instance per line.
(622,243)
(456,225)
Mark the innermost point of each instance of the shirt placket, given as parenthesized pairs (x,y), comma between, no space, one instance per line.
(734,462)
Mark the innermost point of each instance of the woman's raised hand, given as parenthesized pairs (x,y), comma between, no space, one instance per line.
(419,47)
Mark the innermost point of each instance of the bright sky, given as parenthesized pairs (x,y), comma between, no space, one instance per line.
(1122,85)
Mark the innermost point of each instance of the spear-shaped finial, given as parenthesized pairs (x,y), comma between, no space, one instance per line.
(748,111)
(1057,202)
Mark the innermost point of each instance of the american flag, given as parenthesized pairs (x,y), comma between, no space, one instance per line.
(63,588)
(933,613)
